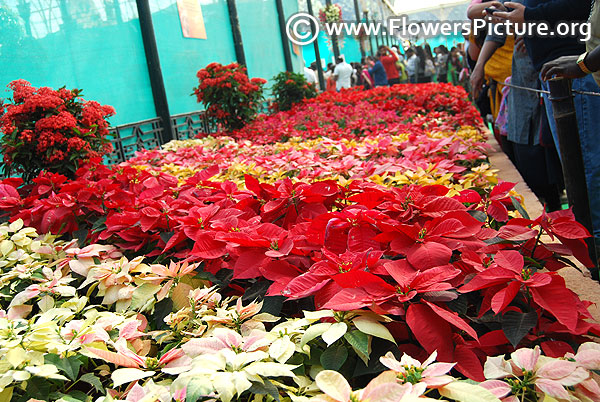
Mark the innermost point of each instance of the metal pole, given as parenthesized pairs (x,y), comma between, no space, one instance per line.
(25,12)
(313,29)
(118,14)
(571,156)
(376,37)
(358,20)
(284,39)
(161,105)
(334,40)
(370,37)
(236,32)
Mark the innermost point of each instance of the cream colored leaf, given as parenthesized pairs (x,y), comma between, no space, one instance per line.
(266,317)
(21,375)
(6,246)
(46,303)
(465,392)
(269,369)
(335,332)
(370,326)
(317,315)
(282,349)
(46,371)
(127,375)
(16,225)
(334,385)
(16,356)
(313,331)
(224,384)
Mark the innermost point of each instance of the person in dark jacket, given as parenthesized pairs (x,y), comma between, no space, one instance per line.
(377,72)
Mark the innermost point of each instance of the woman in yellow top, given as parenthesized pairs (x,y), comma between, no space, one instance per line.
(494,62)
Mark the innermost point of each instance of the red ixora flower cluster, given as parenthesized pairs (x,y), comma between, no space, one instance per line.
(229,95)
(54,130)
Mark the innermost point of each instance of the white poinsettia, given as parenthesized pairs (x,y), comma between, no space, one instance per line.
(409,370)
(383,388)
(228,373)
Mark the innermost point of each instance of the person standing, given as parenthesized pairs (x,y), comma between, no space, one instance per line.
(401,66)
(544,50)
(388,58)
(430,70)
(377,72)
(412,62)
(365,78)
(494,64)
(424,73)
(342,74)
(441,62)
(311,77)
(329,79)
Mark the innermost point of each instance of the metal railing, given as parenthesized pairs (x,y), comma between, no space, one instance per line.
(148,134)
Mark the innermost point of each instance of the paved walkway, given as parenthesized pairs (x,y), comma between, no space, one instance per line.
(580,283)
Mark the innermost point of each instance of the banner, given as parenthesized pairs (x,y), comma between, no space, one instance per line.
(192,21)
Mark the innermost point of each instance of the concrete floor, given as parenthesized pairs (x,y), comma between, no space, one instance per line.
(580,283)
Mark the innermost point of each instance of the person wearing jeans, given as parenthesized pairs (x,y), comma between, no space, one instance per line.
(587,109)
(548,50)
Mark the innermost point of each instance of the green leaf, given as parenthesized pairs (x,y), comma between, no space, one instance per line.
(256,291)
(161,310)
(360,343)
(272,305)
(166,236)
(464,392)
(6,394)
(38,386)
(333,358)
(516,325)
(93,380)
(299,360)
(479,215)
(70,365)
(519,208)
(267,388)
(99,225)
(197,389)
(75,396)
(459,305)
(81,236)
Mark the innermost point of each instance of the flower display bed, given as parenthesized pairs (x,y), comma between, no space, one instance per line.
(328,248)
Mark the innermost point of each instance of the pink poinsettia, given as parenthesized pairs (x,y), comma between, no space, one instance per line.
(172,362)
(54,283)
(225,338)
(528,372)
